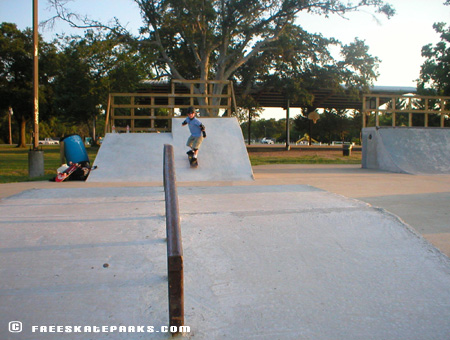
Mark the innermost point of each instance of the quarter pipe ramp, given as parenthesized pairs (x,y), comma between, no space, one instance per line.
(138,157)
(412,150)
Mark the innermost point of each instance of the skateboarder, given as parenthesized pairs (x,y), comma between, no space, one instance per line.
(197,130)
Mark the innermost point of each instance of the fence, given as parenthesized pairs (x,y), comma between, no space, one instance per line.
(174,243)
(404,107)
(152,112)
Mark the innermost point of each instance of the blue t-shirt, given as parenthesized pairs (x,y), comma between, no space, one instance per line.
(194,126)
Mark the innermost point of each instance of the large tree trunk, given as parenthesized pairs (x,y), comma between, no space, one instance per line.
(22,137)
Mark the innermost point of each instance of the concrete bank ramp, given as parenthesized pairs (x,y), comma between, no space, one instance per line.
(412,150)
(288,262)
(138,157)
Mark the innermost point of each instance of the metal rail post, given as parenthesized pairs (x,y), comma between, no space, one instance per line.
(174,244)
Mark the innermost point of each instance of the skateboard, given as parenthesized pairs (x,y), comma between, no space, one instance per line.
(64,175)
(192,161)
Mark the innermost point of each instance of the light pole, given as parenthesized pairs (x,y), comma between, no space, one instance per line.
(35,75)
(35,156)
(288,136)
(11,112)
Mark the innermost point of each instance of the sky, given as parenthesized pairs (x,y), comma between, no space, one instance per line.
(397,41)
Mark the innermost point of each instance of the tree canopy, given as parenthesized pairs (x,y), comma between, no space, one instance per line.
(219,36)
(76,74)
(16,74)
(90,68)
(435,71)
(247,41)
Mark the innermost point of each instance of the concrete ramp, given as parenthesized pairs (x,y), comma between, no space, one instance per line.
(412,150)
(138,157)
(288,262)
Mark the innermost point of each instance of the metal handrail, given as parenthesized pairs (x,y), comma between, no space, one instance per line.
(174,243)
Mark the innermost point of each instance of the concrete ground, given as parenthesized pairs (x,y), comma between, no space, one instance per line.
(420,200)
(303,252)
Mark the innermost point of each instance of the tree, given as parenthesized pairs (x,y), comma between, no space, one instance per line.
(16,74)
(90,68)
(213,39)
(270,128)
(435,71)
(296,62)
(335,125)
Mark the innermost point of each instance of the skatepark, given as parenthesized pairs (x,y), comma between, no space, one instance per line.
(270,252)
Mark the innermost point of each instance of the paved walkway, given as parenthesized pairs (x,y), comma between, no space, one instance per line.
(292,255)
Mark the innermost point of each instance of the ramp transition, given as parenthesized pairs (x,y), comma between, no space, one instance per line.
(136,157)
(412,150)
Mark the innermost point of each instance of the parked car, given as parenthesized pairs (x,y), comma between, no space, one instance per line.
(266,141)
(49,141)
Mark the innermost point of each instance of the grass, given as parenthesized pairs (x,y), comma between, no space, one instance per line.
(304,157)
(14,163)
(261,160)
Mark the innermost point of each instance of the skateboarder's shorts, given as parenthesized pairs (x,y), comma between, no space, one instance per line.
(194,142)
